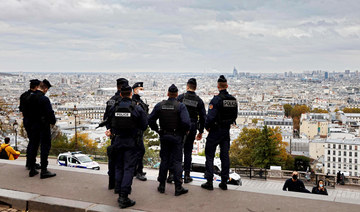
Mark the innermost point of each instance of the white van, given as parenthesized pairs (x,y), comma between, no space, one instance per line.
(198,170)
(77,160)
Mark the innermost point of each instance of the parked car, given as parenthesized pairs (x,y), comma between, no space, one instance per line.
(77,160)
(198,170)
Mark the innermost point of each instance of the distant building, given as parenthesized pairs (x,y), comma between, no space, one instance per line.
(313,124)
(326,75)
(235,72)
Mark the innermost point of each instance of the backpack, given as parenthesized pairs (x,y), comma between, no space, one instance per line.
(3,154)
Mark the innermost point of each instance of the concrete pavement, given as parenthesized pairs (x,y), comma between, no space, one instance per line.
(86,190)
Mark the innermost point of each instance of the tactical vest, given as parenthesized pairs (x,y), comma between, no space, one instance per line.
(123,118)
(144,106)
(34,108)
(227,111)
(191,102)
(169,117)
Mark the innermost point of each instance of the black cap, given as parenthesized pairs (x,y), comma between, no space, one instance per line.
(137,85)
(47,83)
(192,81)
(222,79)
(173,89)
(35,82)
(122,81)
(125,88)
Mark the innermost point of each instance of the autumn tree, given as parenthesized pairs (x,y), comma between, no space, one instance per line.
(287,109)
(318,110)
(83,143)
(296,114)
(351,110)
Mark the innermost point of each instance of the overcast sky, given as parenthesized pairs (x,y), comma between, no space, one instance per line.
(185,36)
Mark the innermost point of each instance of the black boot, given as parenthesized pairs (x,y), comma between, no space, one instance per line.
(161,188)
(46,174)
(187,178)
(179,190)
(140,177)
(223,184)
(208,185)
(170,178)
(125,202)
(33,172)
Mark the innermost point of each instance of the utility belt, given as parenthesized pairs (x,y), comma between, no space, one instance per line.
(218,125)
(173,132)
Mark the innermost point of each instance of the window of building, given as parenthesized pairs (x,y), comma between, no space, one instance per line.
(334,152)
(339,159)
(339,166)
(355,147)
(355,160)
(334,146)
(328,158)
(350,154)
(350,173)
(355,154)
(350,167)
(339,146)
(334,159)
(350,160)
(333,171)
(339,153)
(350,147)
(344,153)
(329,152)
(328,165)
(344,160)
(334,165)
(355,167)
(345,146)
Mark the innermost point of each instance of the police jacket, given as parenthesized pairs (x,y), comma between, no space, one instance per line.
(195,107)
(126,120)
(24,100)
(173,117)
(136,98)
(41,109)
(110,103)
(222,111)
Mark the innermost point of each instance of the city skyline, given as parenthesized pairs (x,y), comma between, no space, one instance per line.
(199,37)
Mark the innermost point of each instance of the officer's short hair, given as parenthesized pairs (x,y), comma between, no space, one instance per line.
(43,86)
(7,140)
(191,86)
(172,94)
(222,85)
(125,93)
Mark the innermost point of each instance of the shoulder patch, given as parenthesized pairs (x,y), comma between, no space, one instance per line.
(111,102)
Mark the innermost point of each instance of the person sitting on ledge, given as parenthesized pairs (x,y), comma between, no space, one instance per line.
(9,153)
(320,188)
(295,184)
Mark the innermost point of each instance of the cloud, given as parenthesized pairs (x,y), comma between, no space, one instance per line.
(183,35)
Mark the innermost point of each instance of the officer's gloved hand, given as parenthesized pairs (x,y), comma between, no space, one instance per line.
(108,133)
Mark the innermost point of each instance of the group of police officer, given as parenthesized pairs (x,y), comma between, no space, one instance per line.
(38,116)
(180,117)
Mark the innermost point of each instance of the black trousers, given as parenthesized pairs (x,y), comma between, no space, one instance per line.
(171,156)
(140,155)
(125,166)
(221,137)
(40,136)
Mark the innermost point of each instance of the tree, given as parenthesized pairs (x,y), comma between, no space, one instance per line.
(242,148)
(351,110)
(318,110)
(296,114)
(301,163)
(287,109)
(262,148)
(255,121)
(84,143)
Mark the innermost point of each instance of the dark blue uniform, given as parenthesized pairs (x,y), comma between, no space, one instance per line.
(221,114)
(170,137)
(124,141)
(111,164)
(140,147)
(196,109)
(40,118)
(25,109)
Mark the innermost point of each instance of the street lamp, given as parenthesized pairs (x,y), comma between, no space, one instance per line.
(75,114)
(16,126)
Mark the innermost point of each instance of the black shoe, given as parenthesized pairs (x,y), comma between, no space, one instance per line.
(46,174)
(187,179)
(161,188)
(208,185)
(111,186)
(170,178)
(33,172)
(180,190)
(141,177)
(37,166)
(125,202)
(116,191)
(223,185)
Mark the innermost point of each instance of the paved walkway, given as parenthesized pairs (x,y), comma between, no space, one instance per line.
(86,190)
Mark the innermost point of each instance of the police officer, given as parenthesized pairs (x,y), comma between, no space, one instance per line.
(126,119)
(40,119)
(24,108)
(174,124)
(196,109)
(138,89)
(221,114)
(109,104)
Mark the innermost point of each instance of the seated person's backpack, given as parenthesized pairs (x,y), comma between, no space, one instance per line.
(3,154)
